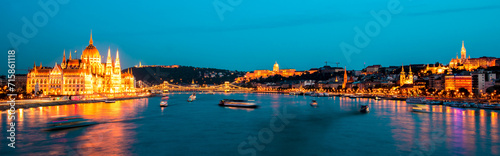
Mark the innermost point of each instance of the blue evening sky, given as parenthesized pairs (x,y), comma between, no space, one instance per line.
(252,34)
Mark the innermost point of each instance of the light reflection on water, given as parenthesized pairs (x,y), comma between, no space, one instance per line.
(140,126)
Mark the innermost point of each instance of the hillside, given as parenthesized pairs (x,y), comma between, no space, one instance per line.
(183,75)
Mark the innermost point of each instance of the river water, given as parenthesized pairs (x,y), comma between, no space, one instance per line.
(282,125)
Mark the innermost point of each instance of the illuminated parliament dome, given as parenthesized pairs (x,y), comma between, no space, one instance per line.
(91,52)
(84,76)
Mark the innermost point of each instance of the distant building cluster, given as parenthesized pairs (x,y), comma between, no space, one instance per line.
(161,66)
(475,75)
(267,73)
(469,64)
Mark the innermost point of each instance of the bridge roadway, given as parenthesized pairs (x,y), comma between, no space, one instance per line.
(226,87)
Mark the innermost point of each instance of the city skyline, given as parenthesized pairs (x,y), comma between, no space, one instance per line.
(300,42)
(236,77)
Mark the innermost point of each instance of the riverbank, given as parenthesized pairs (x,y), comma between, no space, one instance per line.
(6,106)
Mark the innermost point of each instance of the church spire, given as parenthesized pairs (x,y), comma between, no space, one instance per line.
(69,55)
(344,84)
(463,52)
(410,70)
(402,69)
(91,42)
(64,56)
(34,66)
(108,60)
(117,60)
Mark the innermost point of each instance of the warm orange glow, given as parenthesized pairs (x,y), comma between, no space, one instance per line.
(267,73)
(86,75)
(464,63)
(405,79)
(454,82)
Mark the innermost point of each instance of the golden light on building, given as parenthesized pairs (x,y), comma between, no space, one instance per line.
(404,78)
(87,75)
(344,83)
(436,69)
(455,82)
(469,64)
(267,73)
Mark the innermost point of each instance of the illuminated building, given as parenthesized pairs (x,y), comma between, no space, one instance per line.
(276,67)
(344,84)
(405,79)
(87,75)
(160,66)
(435,70)
(469,64)
(267,73)
(455,82)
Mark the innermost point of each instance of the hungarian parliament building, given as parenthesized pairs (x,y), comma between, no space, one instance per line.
(86,75)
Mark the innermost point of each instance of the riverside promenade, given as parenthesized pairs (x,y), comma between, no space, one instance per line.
(4,105)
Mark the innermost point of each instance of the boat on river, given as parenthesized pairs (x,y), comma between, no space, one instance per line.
(67,122)
(420,109)
(237,103)
(163,104)
(416,101)
(364,109)
(164,101)
(314,103)
(192,97)
(493,106)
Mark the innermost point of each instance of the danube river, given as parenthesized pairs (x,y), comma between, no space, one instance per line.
(282,125)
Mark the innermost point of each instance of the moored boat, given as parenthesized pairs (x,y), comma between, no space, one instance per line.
(397,98)
(354,96)
(416,101)
(493,106)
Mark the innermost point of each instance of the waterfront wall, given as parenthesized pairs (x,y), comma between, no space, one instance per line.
(68,102)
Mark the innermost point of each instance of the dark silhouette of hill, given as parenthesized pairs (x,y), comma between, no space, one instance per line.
(183,75)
